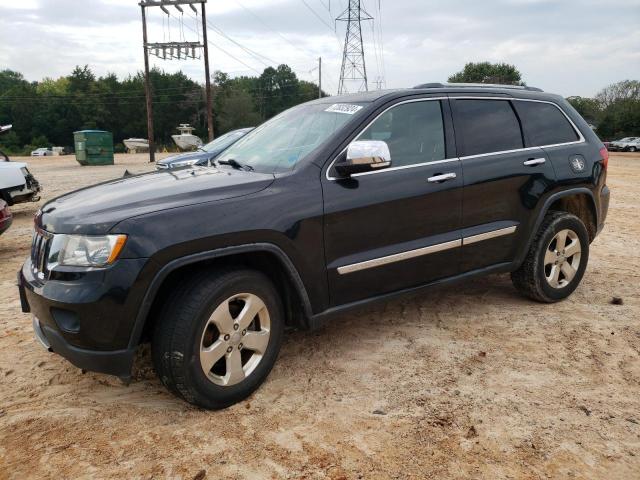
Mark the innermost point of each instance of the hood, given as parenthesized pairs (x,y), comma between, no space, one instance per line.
(197,155)
(95,210)
(12,164)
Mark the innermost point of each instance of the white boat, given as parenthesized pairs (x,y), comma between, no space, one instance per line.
(136,144)
(186,140)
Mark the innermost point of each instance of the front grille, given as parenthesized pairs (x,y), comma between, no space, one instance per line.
(39,251)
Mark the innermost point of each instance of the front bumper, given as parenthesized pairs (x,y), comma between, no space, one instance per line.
(87,318)
(116,363)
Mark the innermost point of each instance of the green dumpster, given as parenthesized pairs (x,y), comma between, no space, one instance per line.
(93,147)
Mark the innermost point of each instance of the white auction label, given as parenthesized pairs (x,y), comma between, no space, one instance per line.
(344,108)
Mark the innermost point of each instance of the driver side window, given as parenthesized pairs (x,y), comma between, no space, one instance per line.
(413,131)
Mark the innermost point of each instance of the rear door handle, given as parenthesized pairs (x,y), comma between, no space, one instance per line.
(534,161)
(441,178)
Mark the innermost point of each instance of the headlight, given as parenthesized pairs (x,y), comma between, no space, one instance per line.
(84,250)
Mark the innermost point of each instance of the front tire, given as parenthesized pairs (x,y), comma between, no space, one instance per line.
(219,337)
(556,261)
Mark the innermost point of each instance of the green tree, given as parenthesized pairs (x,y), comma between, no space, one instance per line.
(590,109)
(237,111)
(620,103)
(486,72)
(54,108)
(624,90)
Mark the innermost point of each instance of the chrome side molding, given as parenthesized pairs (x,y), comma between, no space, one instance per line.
(418,252)
(397,257)
(488,235)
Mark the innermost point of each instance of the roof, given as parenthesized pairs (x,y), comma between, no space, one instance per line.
(438,88)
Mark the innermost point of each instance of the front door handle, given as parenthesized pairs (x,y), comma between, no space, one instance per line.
(534,161)
(441,177)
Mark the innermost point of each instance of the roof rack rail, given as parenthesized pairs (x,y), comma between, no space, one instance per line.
(477,85)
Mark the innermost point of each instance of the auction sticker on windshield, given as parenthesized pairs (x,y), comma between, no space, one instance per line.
(344,108)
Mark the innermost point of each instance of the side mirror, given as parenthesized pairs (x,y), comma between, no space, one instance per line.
(364,156)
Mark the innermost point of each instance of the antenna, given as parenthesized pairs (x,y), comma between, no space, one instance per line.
(354,69)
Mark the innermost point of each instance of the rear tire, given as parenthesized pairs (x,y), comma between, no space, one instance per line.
(219,336)
(633,149)
(556,260)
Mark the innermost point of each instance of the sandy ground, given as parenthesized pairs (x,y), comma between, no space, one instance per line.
(470,381)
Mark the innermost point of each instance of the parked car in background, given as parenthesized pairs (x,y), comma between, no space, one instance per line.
(42,152)
(627,144)
(5,216)
(204,155)
(633,146)
(16,182)
(329,206)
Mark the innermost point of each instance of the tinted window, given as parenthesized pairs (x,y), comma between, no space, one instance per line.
(545,124)
(487,126)
(413,131)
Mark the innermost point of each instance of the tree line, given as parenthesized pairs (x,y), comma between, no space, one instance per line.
(46,113)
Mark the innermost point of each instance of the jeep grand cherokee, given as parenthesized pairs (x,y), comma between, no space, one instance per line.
(328,206)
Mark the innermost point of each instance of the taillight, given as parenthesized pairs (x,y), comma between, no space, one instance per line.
(604,153)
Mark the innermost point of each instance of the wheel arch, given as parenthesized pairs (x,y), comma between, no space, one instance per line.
(264,257)
(577,201)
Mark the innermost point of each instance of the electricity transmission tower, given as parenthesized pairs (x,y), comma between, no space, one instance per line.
(354,69)
(174,50)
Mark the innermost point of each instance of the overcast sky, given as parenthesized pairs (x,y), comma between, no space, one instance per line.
(571,47)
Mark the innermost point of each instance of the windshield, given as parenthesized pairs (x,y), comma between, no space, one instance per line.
(279,144)
(223,141)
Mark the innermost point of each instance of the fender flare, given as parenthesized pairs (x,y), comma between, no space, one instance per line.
(166,270)
(545,208)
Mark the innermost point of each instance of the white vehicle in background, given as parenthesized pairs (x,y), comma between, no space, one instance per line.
(633,146)
(627,144)
(42,152)
(16,182)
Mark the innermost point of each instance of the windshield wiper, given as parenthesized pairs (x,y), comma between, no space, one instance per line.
(235,164)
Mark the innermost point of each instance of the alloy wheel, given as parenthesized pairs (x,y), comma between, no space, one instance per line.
(562,258)
(235,339)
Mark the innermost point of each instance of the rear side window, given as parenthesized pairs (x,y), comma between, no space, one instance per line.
(487,126)
(545,124)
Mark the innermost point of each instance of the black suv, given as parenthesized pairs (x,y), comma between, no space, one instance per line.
(328,206)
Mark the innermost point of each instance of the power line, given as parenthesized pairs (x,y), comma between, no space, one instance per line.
(318,16)
(270,28)
(229,54)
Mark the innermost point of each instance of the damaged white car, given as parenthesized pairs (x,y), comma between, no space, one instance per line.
(17,184)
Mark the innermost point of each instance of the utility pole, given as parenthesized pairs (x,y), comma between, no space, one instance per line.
(353,65)
(174,50)
(320,77)
(147,90)
(206,72)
